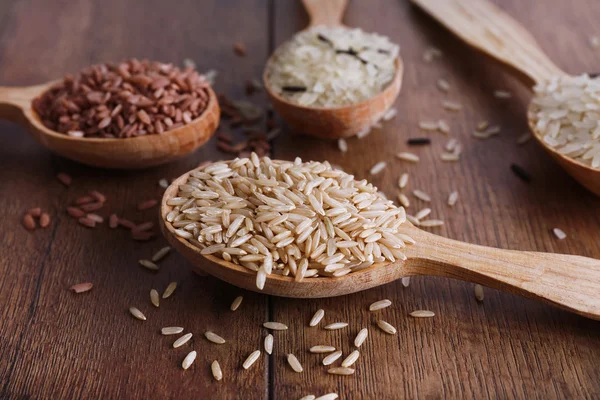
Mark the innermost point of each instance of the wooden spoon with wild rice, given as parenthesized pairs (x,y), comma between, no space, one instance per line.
(566,281)
(487,29)
(135,152)
(336,122)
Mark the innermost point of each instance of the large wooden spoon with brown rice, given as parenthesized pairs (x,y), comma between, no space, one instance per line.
(566,281)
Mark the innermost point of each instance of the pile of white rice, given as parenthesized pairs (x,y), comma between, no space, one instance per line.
(302,219)
(316,67)
(566,112)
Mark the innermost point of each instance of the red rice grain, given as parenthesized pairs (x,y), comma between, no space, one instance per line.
(44,220)
(84,200)
(113,221)
(98,196)
(29,222)
(91,206)
(75,212)
(147,204)
(126,223)
(82,287)
(35,212)
(87,222)
(64,179)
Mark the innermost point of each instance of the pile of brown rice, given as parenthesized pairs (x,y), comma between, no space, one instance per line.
(300,219)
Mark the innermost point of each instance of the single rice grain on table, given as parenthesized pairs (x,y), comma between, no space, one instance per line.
(269,344)
(361,337)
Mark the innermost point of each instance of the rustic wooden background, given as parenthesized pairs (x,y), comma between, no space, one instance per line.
(54,344)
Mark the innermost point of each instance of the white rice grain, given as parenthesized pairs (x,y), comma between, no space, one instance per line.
(361,337)
(317,317)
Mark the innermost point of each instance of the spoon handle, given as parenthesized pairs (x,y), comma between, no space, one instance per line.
(15,100)
(567,281)
(325,12)
(488,29)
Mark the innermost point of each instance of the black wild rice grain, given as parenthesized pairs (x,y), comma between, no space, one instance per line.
(294,88)
(521,173)
(324,39)
(418,141)
(351,52)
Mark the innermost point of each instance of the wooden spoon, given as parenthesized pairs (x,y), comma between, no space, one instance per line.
(129,153)
(566,281)
(337,122)
(491,31)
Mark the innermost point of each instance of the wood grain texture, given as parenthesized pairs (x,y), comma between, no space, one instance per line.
(54,344)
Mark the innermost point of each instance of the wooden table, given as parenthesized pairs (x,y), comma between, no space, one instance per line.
(54,344)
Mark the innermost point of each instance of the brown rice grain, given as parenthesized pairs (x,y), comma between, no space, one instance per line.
(236,303)
(321,349)
(171,330)
(422,314)
(328,396)
(276,326)
(148,264)
(377,168)
(421,195)
(351,359)
(403,200)
(169,290)
(403,181)
(336,325)
(269,344)
(216,370)
(410,157)
(294,363)
(251,359)
(213,337)
(137,313)
(182,340)
(478,289)
(379,305)
(160,254)
(340,371)
(189,359)
(361,337)
(154,298)
(452,198)
(330,359)
(317,317)
(386,327)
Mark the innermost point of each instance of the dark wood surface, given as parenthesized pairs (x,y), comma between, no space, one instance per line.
(54,344)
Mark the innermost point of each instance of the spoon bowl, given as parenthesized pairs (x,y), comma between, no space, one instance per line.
(332,122)
(127,153)
(566,281)
(489,30)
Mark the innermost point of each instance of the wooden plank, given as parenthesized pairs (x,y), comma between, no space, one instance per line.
(506,346)
(59,345)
